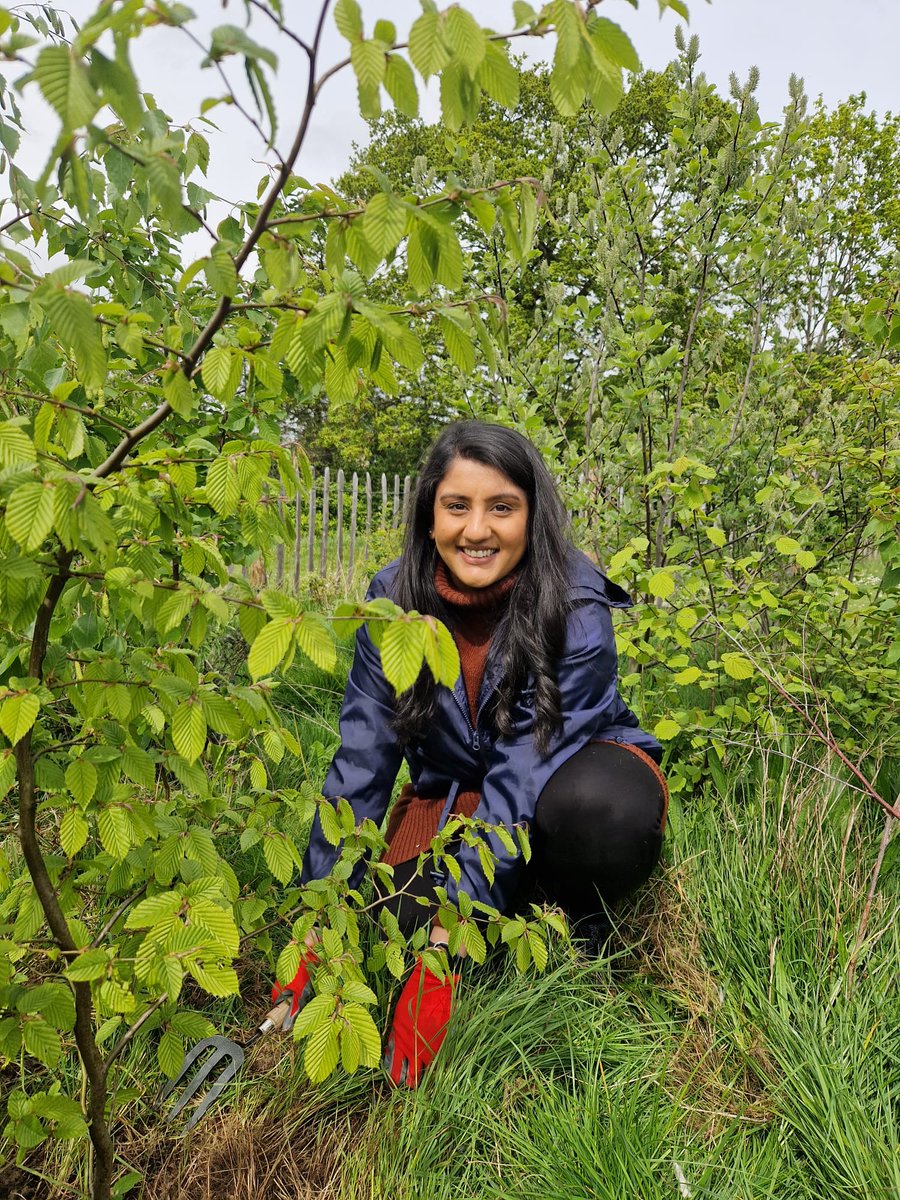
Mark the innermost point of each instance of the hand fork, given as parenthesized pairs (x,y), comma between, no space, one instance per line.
(224,1058)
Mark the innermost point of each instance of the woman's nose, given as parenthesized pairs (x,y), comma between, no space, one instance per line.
(477,526)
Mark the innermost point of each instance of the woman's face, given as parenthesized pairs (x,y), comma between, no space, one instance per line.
(480,523)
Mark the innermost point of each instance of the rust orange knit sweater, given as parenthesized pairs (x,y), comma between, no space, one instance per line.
(414,819)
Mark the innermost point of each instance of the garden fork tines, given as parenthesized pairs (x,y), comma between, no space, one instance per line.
(220,1059)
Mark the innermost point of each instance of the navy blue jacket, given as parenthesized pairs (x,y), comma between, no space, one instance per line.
(509,772)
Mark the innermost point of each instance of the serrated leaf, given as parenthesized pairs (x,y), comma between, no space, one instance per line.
(316,639)
(403,652)
(615,43)
(400,84)
(369,63)
(426,45)
(269,647)
(72,319)
(458,342)
(64,81)
(217,980)
(18,714)
(787,545)
(384,223)
(73,831)
(466,38)
(348,19)
(42,1042)
(114,828)
(687,676)
(322,1052)
(170,1053)
(716,536)
(278,857)
(661,584)
(179,393)
(89,965)
(189,729)
(221,372)
(499,77)
(55,1003)
(441,653)
(362,1024)
(221,274)
(666,729)
(222,487)
(16,446)
(737,666)
(81,780)
(152,910)
(29,514)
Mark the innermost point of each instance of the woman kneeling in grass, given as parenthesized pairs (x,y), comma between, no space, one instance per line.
(533,734)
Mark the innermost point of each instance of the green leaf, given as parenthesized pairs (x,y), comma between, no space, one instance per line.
(661,584)
(787,545)
(441,652)
(322,1051)
(189,729)
(737,666)
(615,42)
(179,393)
(115,831)
(89,965)
(64,81)
(269,647)
(666,729)
(154,909)
(170,1053)
(29,514)
(400,84)
(55,1003)
(426,45)
(499,77)
(42,1042)
(369,63)
(278,857)
(231,39)
(118,87)
(687,676)
(72,319)
(221,372)
(384,223)
(73,831)
(16,446)
(217,980)
(81,780)
(362,1024)
(222,487)
(402,652)
(221,276)
(466,38)
(316,639)
(348,18)
(716,536)
(18,714)
(458,342)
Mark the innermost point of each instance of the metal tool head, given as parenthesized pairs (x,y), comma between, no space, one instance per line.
(224,1058)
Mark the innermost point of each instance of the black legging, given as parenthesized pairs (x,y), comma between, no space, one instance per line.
(597,835)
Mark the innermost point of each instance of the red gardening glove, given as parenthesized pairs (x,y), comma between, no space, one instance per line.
(420,1025)
(300,989)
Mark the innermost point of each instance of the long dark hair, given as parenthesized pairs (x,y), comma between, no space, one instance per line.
(530,639)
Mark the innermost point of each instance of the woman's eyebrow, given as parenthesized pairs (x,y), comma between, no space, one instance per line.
(507,496)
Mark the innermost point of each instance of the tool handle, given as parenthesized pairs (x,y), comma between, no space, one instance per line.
(276,1017)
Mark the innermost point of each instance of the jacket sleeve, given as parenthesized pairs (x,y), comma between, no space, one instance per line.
(366,763)
(517,772)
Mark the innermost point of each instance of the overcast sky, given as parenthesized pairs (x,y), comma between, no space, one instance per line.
(838,46)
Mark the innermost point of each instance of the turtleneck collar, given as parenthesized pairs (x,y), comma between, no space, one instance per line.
(479,599)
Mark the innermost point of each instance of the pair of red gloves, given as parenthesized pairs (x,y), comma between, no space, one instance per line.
(420,1018)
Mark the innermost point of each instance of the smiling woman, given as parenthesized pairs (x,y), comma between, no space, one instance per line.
(533,735)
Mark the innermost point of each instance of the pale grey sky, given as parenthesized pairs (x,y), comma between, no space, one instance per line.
(838,46)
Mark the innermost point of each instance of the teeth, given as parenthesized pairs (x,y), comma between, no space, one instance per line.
(479,553)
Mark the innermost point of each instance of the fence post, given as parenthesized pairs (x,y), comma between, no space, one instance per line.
(395,519)
(406,486)
(368,512)
(354,497)
(311,531)
(384,498)
(323,549)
